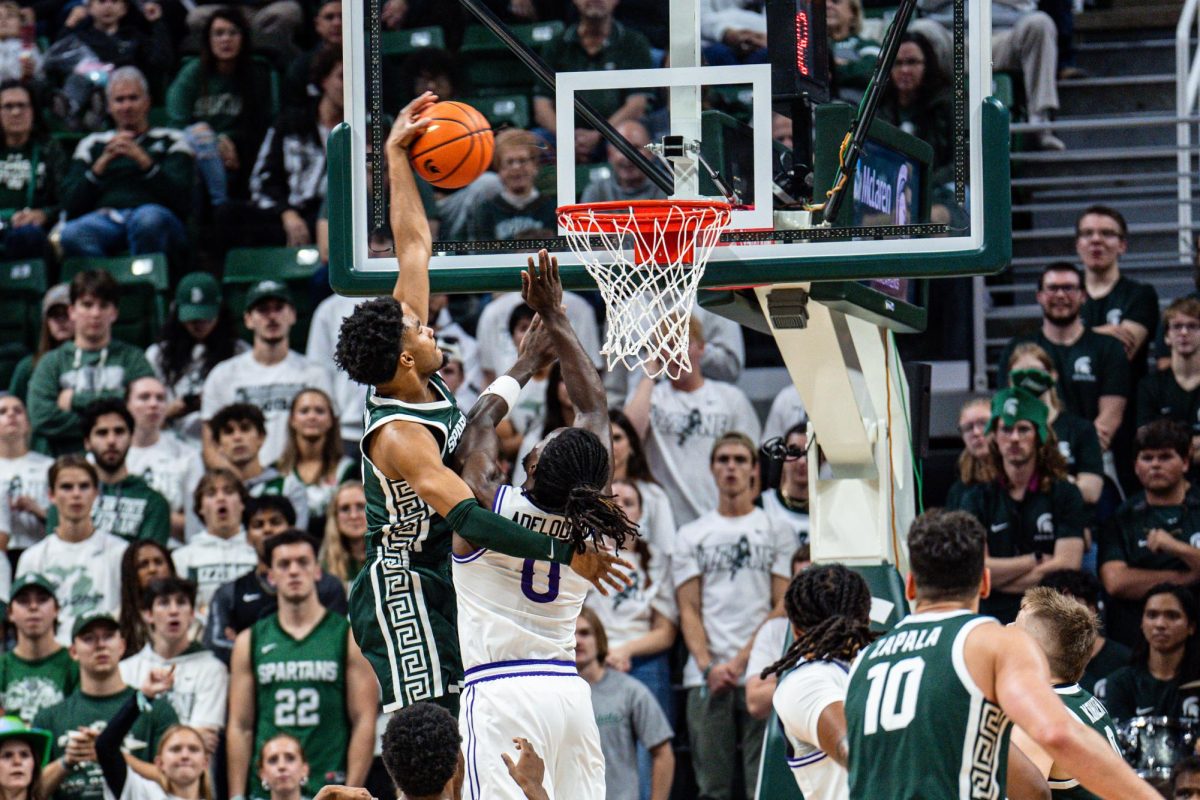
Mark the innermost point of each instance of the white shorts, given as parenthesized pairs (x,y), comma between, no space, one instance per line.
(545,702)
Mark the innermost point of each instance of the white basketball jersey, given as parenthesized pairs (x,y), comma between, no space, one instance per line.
(513,609)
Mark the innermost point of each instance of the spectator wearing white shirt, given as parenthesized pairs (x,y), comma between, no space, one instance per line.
(220,552)
(24,492)
(787,503)
(730,568)
(201,683)
(680,420)
(829,609)
(199,333)
(629,464)
(84,564)
(268,376)
(787,410)
(496,349)
(732,32)
(171,465)
(348,396)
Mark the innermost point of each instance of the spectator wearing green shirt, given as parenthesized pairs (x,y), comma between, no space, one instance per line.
(853,56)
(597,42)
(519,210)
(1174,392)
(1034,515)
(1093,373)
(127,506)
(975,461)
(90,367)
(1154,537)
(38,672)
(31,165)
(128,189)
(74,773)
(222,106)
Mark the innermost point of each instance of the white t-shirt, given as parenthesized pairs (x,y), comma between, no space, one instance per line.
(627,614)
(658,522)
(798,521)
(87,575)
(322,343)
(684,426)
(139,788)
(531,406)
(172,466)
(241,379)
(201,683)
(735,559)
(787,409)
(767,647)
(24,476)
(799,699)
(190,383)
(496,349)
(210,561)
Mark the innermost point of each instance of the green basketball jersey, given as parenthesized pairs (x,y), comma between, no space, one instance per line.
(1092,713)
(918,726)
(400,524)
(300,688)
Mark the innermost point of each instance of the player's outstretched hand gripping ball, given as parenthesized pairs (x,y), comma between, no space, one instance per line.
(456,148)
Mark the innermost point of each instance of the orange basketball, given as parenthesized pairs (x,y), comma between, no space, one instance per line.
(455,149)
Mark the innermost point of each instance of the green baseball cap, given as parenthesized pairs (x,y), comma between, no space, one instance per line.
(37,579)
(86,621)
(1014,404)
(198,297)
(39,740)
(267,289)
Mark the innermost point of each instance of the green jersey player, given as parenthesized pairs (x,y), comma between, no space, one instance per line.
(402,605)
(1065,630)
(930,703)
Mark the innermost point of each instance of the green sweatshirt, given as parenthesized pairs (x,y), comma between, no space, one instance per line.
(16,167)
(124,184)
(130,509)
(221,104)
(92,374)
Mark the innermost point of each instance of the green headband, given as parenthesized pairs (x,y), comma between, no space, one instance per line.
(1014,404)
(1034,381)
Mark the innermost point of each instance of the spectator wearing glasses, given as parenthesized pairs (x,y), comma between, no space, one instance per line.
(1034,515)
(787,504)
(33,165)
(1116,305)
(975,460)
(520,210)
(1093,373)
(1174,393)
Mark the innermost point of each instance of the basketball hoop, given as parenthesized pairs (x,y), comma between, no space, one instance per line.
(650,297)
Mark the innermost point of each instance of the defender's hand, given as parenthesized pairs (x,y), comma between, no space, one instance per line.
(601,570)
(537,348)
(541,286)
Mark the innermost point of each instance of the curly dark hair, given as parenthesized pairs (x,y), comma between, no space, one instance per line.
(175,345)
(420,749)
(96,409)
(945,553)
(133,627)
(831,607)
(1083,586)
(370,341)
(572,474)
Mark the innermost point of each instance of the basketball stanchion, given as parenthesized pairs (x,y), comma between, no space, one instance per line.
(456,148)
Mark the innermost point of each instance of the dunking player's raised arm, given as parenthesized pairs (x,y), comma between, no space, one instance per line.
(410,226)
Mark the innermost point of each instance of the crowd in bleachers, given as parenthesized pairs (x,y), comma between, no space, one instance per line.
(168,453)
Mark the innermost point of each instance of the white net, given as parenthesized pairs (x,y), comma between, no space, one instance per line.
(649,296)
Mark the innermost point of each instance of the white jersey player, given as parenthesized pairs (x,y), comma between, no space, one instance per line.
(516,618)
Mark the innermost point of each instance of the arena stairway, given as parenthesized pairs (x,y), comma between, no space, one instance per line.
(1119,126)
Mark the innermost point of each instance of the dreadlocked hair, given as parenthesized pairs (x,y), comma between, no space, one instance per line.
(831,607)
(569,479)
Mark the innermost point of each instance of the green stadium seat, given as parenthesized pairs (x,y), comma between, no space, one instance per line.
(22,284)
(144,285)
(511,110)
(293,266)
(401,43)
(491,68)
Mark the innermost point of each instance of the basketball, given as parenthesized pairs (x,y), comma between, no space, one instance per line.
(455,149)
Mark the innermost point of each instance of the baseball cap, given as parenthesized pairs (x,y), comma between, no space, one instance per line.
(198,297)
(32,579)
(86,621)
(266,289)
(57,295)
